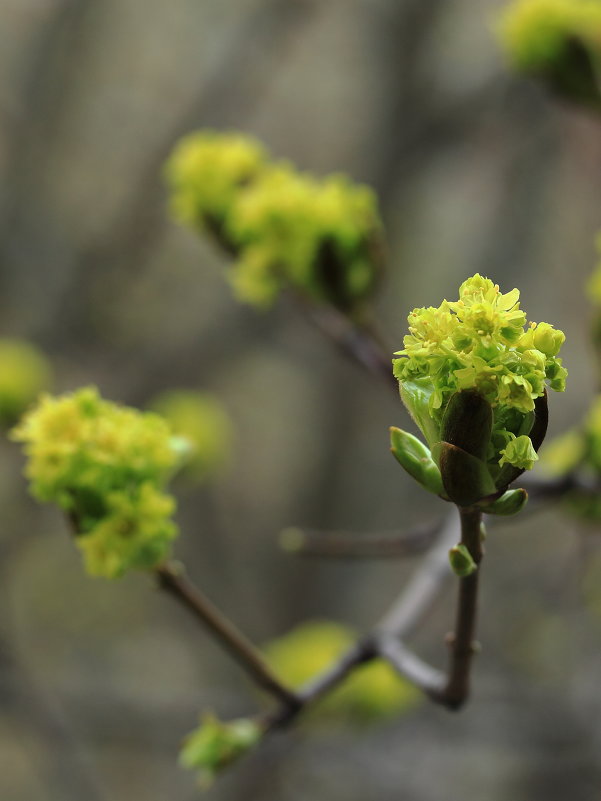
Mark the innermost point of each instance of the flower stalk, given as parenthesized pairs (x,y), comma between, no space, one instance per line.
(462,642)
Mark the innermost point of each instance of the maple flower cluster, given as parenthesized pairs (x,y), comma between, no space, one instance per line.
(285,228)
(106,466)
(479,342)
(558,42)
(537,33)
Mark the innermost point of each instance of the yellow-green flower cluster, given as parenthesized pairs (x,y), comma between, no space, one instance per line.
(106,466)
(317,235)
(206,171)
(478,342)
(24,373)
(473,378)
(215,745)
(285,228)
(205,427)
(559,40)
(370,693)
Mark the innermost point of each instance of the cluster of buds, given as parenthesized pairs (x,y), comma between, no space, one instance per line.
(284,228)
(558,41)
(105,466)
(473,375)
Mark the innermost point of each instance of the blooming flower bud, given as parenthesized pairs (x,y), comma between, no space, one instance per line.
(320,236)
(105,465)
(205,172)
(519,452)
(474,381)
(557,40)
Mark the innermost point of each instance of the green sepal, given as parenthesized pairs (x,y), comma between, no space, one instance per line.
(416,459)
(416,395)
(465,478)
(462,563)
(512,502)
(467,423)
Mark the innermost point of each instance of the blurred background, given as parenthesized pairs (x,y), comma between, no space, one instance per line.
(476,170)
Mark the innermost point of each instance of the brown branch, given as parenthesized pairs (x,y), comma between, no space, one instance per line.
(424,587)
(173,581)
(429,680)
(357,342)
(399,621)
(361,652)
(344,545)
(462,640)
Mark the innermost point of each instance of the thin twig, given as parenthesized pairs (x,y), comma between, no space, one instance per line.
(361,652)
(173,581)
(411,667)
(424,586)
(344,545)
(402,617)
(356,342)
(462,641)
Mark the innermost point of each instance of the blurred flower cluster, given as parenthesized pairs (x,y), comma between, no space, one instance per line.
(558,41)
(285,228)
(106,466)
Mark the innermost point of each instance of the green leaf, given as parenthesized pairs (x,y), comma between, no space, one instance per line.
(416,395)
(461,561)
(465,478)
(416,459)
(512,502)
(467,423)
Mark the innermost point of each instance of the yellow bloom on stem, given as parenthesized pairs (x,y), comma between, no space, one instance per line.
(106,466)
